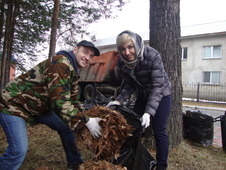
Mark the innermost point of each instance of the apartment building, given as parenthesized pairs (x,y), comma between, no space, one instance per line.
(203,52)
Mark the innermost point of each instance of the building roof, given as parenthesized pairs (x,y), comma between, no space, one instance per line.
(186,31)
(206,28)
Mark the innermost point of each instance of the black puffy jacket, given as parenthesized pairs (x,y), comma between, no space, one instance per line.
(148,79)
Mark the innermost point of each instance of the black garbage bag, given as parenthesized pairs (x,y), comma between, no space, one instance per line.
(198,127)
(98,99)
(133,154)
(223,131)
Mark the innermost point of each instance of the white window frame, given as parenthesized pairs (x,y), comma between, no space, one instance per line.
(212,52)
(211,77)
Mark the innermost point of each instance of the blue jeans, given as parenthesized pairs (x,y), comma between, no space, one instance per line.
(15,130)
(159,126)
(16,134)
(66,135)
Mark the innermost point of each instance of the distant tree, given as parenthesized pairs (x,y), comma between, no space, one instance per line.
(32,22)
(32,28)
(53,34)
(7,43)
(165,37)
(74,16)
(2,13)
(20,31)
(10,42)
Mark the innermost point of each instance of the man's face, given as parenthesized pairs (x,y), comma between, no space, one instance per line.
(83,55)
(128,50)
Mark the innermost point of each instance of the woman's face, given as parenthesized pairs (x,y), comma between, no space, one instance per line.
(128,50)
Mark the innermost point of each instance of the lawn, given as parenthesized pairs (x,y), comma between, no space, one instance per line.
(46,153)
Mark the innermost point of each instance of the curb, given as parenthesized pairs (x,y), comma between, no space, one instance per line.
(205,108)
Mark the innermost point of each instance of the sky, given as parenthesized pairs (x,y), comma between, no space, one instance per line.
(135,16)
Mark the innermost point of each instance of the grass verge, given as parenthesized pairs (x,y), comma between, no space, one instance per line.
(46,153)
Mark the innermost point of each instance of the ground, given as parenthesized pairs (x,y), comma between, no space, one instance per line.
(205,104)
(46,153)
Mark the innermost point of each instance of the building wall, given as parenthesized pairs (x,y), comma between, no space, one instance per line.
(12,73)
(194,65)
(107,48)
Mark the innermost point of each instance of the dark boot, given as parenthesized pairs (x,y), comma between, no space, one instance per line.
(72,167)
(161,167)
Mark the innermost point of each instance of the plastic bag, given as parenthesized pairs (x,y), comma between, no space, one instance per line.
(133,154)
(198,127)
(223,131)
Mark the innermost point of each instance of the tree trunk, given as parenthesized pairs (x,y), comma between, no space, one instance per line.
(56,11)
(2,21)
(165,37)
(11,33)
(6,44)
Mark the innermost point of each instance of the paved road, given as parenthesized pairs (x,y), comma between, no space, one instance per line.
(214,112)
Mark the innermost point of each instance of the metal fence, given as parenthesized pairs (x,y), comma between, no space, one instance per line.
(210,92)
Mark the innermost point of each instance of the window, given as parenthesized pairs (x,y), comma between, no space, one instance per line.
(184,53)
(212,51)
(211,77)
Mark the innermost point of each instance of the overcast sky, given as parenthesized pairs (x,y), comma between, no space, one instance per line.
(135,16)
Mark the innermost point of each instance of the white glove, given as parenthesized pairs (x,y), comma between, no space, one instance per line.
(94,127)
(113,103)
(145,120)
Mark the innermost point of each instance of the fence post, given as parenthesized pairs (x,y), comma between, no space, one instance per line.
(198,92)
(223,131)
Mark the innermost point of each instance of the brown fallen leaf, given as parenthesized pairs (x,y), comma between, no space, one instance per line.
(43,168)
(100,165)
(114,129)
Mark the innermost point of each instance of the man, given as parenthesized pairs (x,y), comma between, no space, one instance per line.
(143,72)
(46,94)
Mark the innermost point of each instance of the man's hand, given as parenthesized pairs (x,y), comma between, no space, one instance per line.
(113,103)
(145,120)
(94,127)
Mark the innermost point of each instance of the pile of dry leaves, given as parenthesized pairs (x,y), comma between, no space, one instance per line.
(92,165)
(114,129)
(100,165)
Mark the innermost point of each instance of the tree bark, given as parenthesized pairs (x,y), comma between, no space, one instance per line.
(56,11)
(2,21)
(165,37)
(16,7)
(6,43)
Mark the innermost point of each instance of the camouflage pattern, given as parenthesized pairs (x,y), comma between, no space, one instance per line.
(52,85)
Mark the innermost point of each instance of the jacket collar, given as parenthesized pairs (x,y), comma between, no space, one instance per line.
(71,57)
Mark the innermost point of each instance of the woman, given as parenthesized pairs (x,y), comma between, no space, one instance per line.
(143,73)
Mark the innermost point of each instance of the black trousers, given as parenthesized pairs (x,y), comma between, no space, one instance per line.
(159,125)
